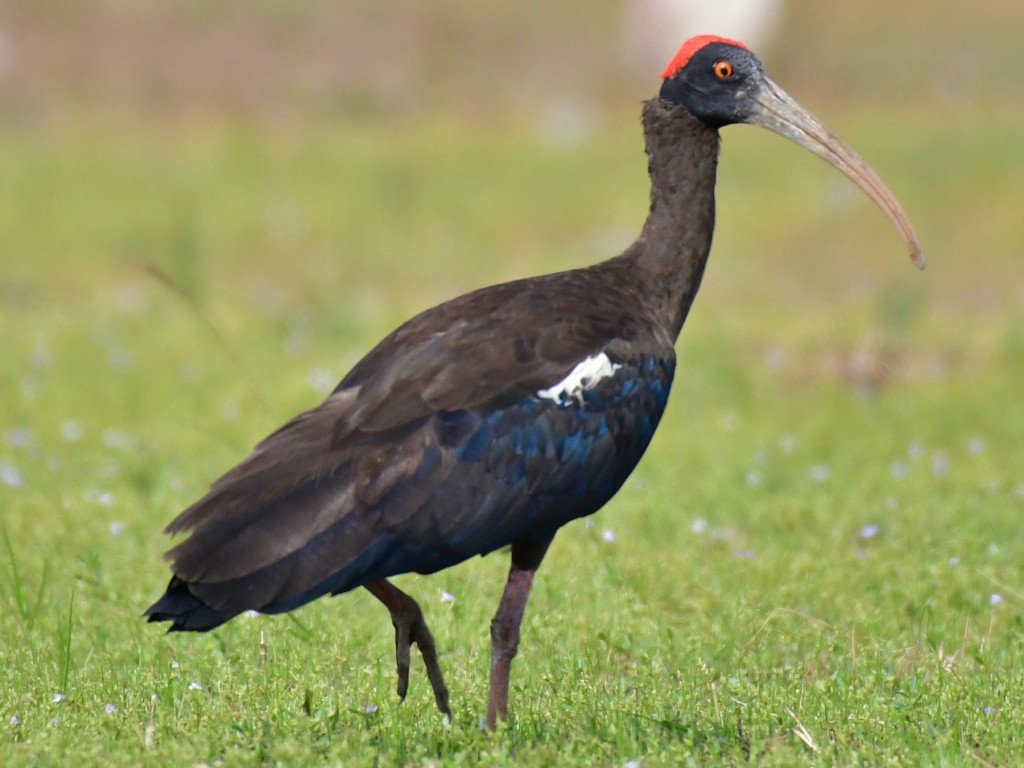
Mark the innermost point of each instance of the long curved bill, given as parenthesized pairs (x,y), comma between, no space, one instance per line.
(780,113)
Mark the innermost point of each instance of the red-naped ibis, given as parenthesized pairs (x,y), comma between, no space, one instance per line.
(494,419)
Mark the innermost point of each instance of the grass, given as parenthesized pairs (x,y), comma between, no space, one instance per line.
(818,562)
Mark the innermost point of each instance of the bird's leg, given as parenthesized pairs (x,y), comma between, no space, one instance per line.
(410,627)
(526,559)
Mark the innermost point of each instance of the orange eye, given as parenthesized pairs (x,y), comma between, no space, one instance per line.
(723,70)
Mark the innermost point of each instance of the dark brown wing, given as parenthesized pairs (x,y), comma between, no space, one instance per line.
(341,484)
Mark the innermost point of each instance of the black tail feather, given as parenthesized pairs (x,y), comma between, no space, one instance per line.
(187,612)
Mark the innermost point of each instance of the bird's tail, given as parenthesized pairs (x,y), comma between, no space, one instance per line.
(187,612)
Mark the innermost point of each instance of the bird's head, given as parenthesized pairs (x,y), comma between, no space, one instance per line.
(721,82)
(715,79)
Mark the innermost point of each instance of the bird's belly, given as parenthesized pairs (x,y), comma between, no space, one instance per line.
(525,470)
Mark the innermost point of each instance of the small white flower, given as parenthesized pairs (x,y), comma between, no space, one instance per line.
(996,599)
(954,560)
(103,498)
(110,709)
(19,438)
(632,764)
(754,479)
(15,720)
(58,698)
(870,531)
(699,526)
(116,528)
(251,614)
(788,443)
(118,439)
(370,709)
(10,476)
(976,445)
(609,536)
(195,685)
(321,380)
(820,473)
(175,665)
(447,597)
(72,431)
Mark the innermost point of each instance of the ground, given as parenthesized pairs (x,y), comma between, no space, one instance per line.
(819,560)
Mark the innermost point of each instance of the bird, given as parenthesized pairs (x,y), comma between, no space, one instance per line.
(491,420)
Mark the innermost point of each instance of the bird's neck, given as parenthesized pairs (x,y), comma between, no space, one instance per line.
(670,254)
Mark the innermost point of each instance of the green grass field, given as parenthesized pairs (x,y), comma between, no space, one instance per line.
(818,562)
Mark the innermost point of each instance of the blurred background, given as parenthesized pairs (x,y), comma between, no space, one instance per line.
(208,210)
(274,61)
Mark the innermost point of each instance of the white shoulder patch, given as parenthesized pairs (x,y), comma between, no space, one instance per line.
(581,378)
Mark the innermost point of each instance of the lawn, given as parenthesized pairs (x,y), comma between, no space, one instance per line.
(819,561)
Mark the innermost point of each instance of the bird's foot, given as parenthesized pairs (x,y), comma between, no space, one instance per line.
(416,631)
(411,628)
